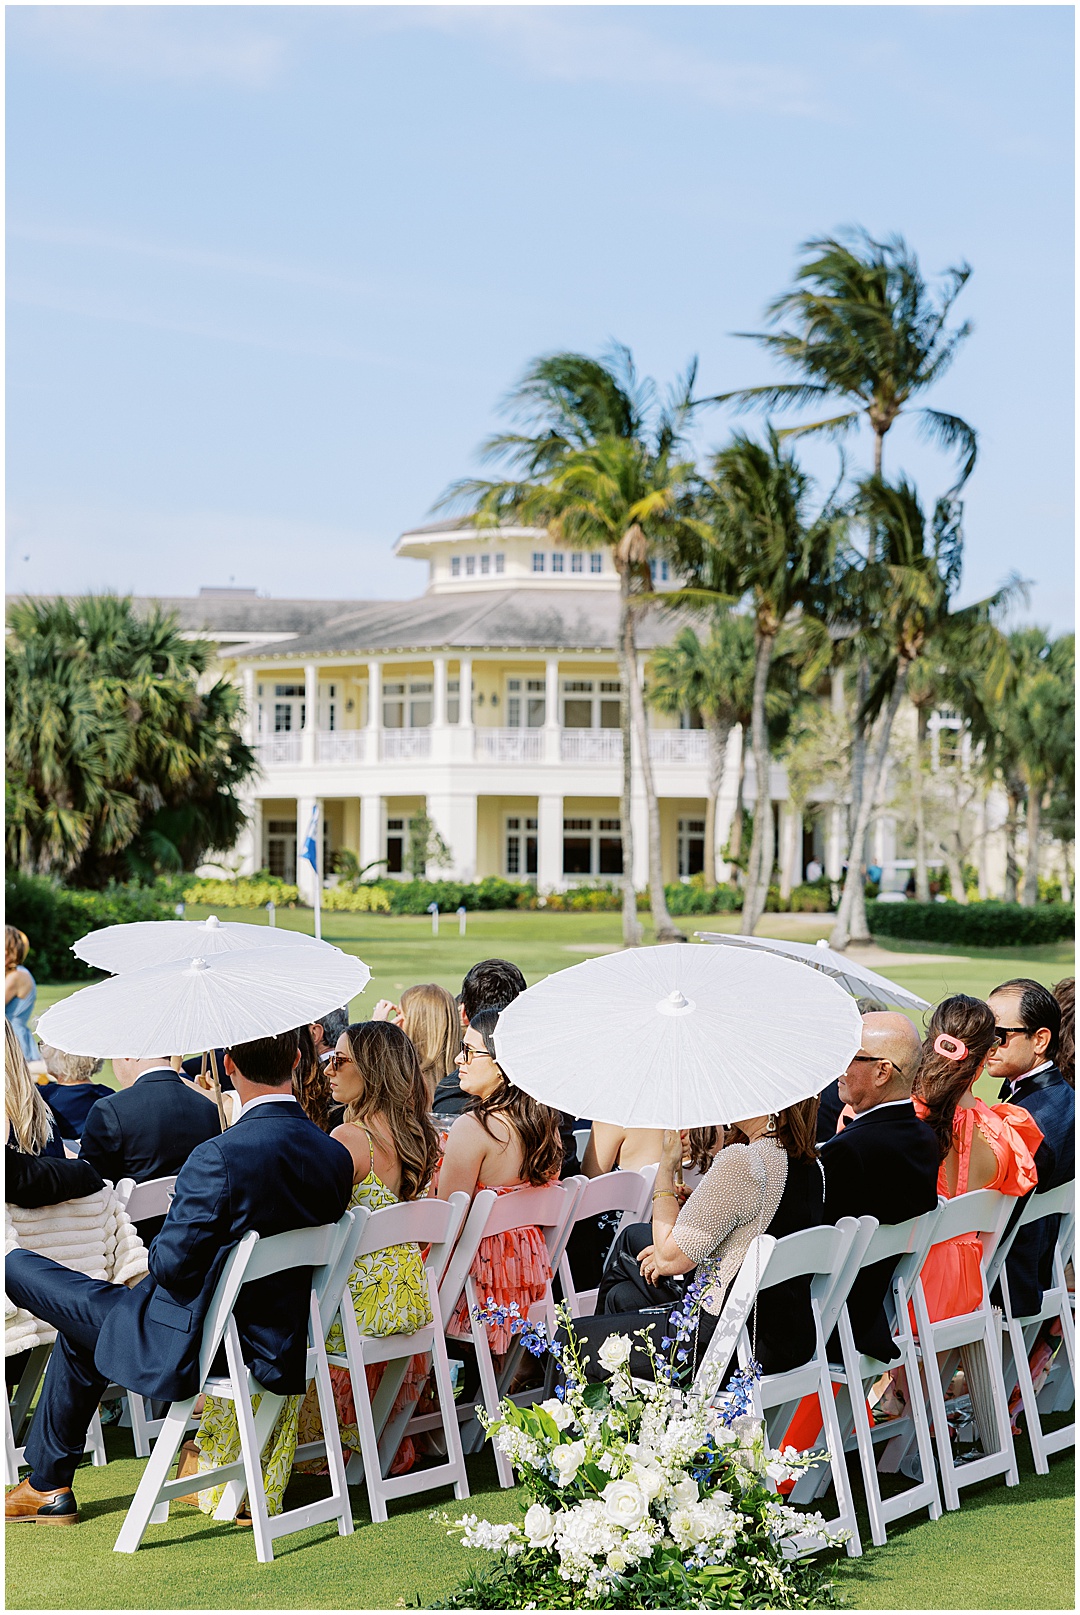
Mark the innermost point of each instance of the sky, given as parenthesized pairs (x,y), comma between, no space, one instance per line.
(272,270)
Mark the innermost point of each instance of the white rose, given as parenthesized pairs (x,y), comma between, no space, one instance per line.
(685,1491)
(681,1526)
(567,1459)
(558,1412)
(649,1479)
(540,1526)
(625,1504)
(617,1560)
(615,1352)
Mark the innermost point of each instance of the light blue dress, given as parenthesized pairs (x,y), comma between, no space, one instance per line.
(18,1011)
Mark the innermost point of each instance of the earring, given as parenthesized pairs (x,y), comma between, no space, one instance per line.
(772,1127)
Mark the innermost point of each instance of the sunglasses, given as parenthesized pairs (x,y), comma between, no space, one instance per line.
(877,1060)
(1002,1034)
(335,1062)
(469,1053)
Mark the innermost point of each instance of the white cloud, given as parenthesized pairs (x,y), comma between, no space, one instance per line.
(182,44)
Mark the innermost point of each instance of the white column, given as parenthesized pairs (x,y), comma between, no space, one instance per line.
(791,825)
(249,726)
(311,714)
(305,875)
(465,693)
(250,842)
(438,713)
(371,834)
(454,816)
(639,824)
(549,851)
(552,725)
(834,843)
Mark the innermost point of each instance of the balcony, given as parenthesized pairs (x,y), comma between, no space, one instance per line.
(403,745)
(508,745)
(590,746)
(278,749)
(685,746)
(340,745)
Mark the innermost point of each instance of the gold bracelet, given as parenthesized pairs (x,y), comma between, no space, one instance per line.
(660,1193)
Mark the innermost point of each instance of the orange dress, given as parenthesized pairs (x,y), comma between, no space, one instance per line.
(951,1277)
(510,1267)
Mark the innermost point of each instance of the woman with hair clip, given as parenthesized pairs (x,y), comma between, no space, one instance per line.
(982,1146)
(504,1141)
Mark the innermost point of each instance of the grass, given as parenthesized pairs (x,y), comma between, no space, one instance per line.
(1005,1549)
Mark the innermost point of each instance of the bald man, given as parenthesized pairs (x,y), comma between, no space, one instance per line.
(884,1164)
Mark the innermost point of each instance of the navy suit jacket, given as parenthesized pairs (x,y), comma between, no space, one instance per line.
(885,1165)
(147,1131)
(272,1171)
(1049,1099)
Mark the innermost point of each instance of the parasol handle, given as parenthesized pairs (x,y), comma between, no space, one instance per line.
(216,1081)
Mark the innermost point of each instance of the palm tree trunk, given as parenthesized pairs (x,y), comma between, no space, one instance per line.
(1030,893)
(955,867)
(664,925)
(855,922)
(735,838)
(845,930)
(922,877)
(1012,870)
(719,731)
(631,925)
(761,847)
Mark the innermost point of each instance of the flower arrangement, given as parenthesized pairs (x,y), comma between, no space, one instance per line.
(642,1494)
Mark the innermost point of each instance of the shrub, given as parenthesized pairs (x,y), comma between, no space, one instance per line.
(55,916)
(815,897)
(583,900)
(356,900)
(978,925)
(699,900)
(253,891)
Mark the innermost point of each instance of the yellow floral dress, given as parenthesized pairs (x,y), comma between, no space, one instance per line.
(390,1295)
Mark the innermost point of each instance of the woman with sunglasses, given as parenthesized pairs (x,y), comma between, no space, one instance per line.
(504,1141)
(982,1146)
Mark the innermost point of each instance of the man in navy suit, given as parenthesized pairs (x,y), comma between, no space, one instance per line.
(1028,1019)
(148,1129)
(272,1171)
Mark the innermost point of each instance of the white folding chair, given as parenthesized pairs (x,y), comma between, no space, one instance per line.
(17,1417)
(328,1252)
(142,1201)
(1020,1333)
(984,1212)
(549,1208)
(614,1191)
(582,1136)
(909,1242)
(421,1222)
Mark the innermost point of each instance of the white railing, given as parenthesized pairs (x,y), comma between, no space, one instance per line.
(401,745)
(591,746)
(678,746)
(339,746)
(277,749)
(508,745)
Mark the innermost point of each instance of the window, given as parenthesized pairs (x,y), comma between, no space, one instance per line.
(691,844)
(592,847)
(596,562)
(420,704)
(455,566)
(281,848)
(283,717)
(328,706)
(527,709)
(453,700)
(470,565)
(408,706)
(577,562)
(289,689)
(659,570)
(591,704)
(393,706)
(690,718)
(485,564)
(500,563)
(557,562)
(521,845)
(538,561)
(397,835)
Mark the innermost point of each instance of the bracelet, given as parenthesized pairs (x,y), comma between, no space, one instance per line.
(660,1193)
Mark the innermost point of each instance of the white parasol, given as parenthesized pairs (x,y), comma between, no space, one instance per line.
(204,1003)
(856,979)
(678,1037)
(157,942)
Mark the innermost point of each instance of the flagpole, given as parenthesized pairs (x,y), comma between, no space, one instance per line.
(318,871)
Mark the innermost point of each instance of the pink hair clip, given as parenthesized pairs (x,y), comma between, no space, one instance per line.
(950,1048)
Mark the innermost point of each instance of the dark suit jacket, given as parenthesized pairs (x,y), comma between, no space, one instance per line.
(1049,1099)
(885,1165)
(147,1131)
(273,1171)
(44,1180)
(829,1107)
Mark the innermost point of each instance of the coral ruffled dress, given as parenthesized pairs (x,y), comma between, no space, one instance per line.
(510,1267)
(950,1277)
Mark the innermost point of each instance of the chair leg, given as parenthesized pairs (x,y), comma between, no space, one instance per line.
(369,1446)
(846,1520)
(95,1442)
(1005,1444)
(254,1434)
(448,1411)
(339,1488)
(488,1384)
(139,1432)
(144,1505)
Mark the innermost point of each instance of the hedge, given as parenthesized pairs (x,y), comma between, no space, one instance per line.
(252,892)
(977,925)
(53,917)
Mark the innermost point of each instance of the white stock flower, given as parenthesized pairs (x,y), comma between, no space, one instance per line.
(539,1526)
(685,1491)
(615,1352)
(567,1459)
(560,1414)
(625,1503)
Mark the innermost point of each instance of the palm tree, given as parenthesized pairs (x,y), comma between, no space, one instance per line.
(762,543)
(117,763)
(602,463)
(1035,734)
(865,328)
(908,584)
(714,677)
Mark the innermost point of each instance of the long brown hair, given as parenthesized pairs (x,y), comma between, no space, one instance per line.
(796,1130)
(394,1090)
(311,1085)
(536,1125)
(941,1082)
(430,1020)
(29,1115)
(16,944)
(702,1145)
(1065,993)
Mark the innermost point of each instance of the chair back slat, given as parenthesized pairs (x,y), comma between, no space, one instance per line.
(300,1247)
(614,1191)
(809,1253)
(1057,1202)
(541,1207)
(423,1222)
(740,1300)
(980,1211)
(144,1200)
(220,1309)
(457,1269)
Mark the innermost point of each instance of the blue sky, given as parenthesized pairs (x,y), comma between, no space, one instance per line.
(270,270)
